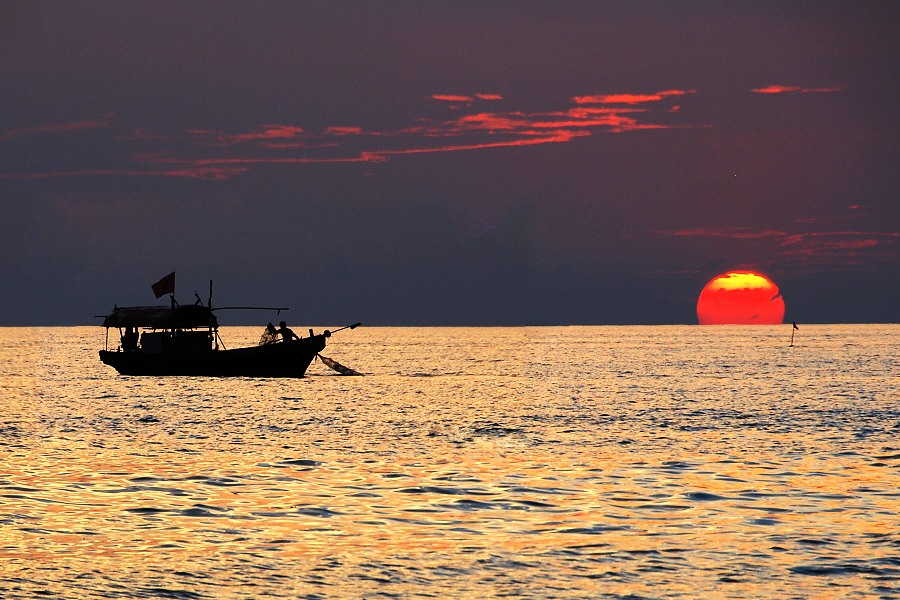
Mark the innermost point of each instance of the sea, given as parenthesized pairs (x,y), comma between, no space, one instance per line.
(522,462)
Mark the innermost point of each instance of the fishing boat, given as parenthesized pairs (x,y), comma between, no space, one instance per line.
(184,340)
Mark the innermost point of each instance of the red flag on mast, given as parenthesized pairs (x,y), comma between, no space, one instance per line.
(164,286)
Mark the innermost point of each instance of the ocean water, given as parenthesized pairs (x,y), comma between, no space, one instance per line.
(570,462)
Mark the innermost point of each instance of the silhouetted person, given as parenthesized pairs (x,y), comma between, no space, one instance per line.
(269,336)
(286,334)
(130,339)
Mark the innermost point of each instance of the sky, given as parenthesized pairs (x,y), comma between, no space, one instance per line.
(449,163)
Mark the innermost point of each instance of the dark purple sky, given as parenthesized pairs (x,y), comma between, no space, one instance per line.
(431,163)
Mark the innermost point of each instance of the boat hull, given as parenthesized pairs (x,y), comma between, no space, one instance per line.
(284,359)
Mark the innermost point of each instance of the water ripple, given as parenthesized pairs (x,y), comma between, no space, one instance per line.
(619,462)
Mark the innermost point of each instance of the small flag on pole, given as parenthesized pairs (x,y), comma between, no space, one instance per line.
(164,286)
(793,329)
(795,326)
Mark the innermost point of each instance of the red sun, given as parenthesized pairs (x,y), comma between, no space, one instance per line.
(742,298)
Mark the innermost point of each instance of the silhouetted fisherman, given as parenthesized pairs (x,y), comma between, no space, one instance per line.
(269,336)
(286,333)
(130,339)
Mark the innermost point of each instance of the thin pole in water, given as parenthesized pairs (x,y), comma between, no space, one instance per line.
(793,329)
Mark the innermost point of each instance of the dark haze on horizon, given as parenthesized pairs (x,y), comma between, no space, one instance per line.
(465,163)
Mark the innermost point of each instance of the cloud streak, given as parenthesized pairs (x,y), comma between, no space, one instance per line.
(813,251)
(630,99)
(734,233)
(793,89)
(210,173)
(466,99)
(55,128)
(472,131)
(219,154)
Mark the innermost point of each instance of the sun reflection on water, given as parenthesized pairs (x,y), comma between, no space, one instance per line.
(531,462)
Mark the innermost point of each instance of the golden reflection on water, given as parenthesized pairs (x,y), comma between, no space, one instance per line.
(531,462)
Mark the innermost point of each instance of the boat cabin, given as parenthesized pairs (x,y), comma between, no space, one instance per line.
(190,329)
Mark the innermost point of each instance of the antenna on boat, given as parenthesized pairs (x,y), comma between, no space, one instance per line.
(209,302)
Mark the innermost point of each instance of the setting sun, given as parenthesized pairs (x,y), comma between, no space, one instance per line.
(740,297)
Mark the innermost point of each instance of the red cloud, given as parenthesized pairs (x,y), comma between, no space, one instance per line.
(819,251)
(452,98)
(465,99)
(339,130)
(192,172)
(269,132)
(490,121)
(736,233)
(210,173)
(210,154)
(791,89)
(629,98)
(55,128)
(828,251)
(843,239)
(266,132)
(542,138)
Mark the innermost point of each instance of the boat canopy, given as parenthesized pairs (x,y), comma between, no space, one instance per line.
(162,317)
